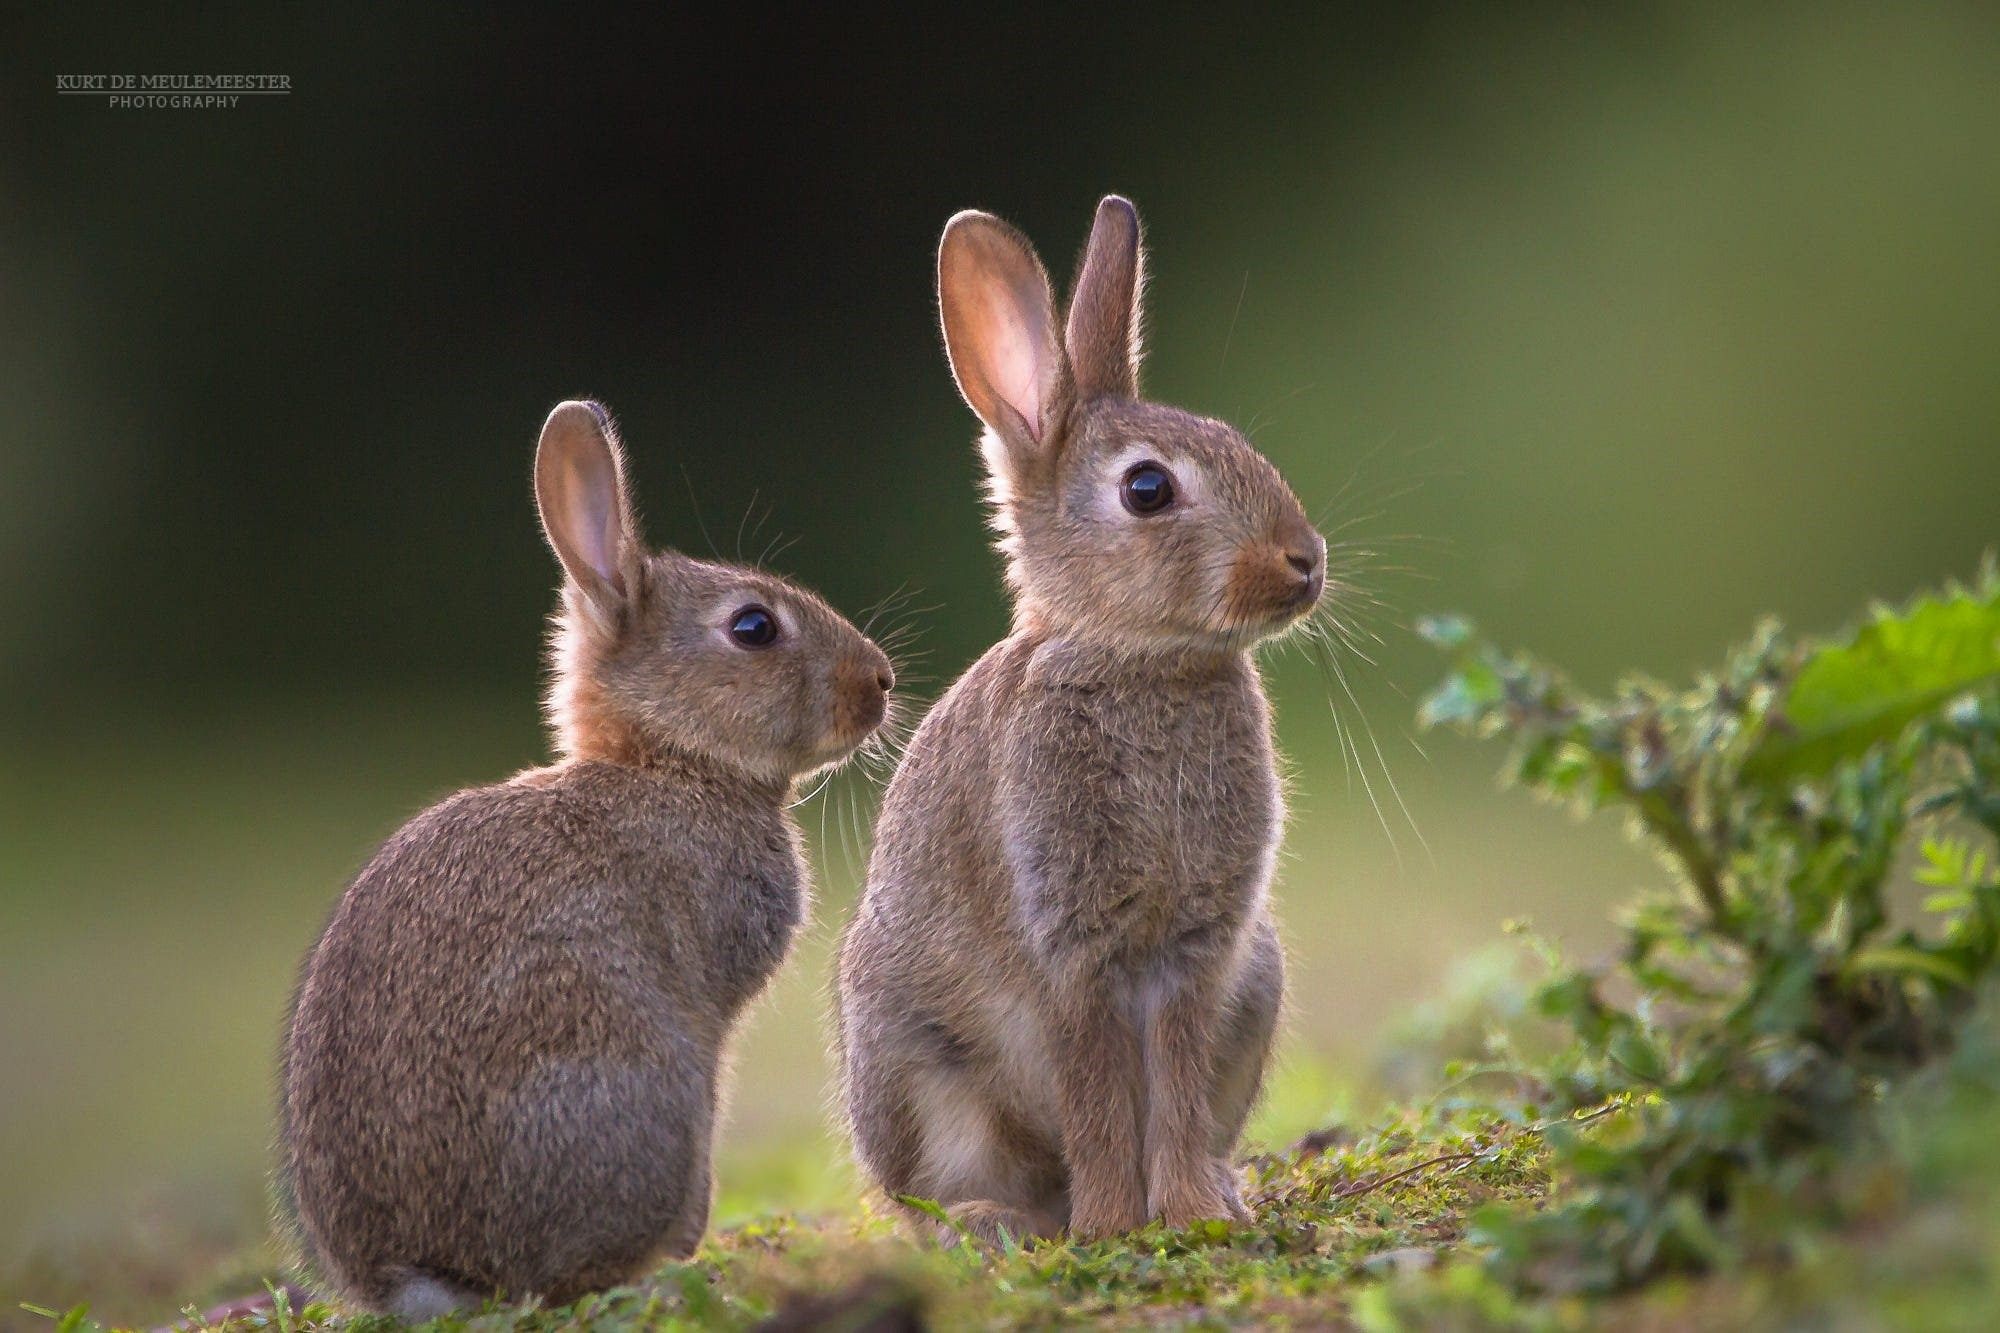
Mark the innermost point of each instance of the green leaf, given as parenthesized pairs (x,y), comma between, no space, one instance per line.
(1894,670)
(1462,698)
(1639,1056)
(936,1211)
(930,1208)
(1445,631)
(1907,960)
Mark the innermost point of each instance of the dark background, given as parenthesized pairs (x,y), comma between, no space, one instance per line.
(1615,331)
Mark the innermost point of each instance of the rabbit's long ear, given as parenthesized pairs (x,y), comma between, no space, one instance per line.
(1103,333)
(580,486)
(1000,329)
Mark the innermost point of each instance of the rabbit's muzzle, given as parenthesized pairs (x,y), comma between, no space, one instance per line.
(1272,583)
(861,700)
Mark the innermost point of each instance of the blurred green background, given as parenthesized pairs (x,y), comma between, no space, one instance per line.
(1614,331)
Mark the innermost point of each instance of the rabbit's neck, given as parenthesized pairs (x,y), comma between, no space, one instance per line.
(586,726)
(1081,654)
(677,767)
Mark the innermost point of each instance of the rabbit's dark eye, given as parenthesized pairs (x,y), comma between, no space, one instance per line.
(754,627)
(1147,489)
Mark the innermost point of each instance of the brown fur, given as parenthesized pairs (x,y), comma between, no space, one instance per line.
(501,1070)
(1058,993)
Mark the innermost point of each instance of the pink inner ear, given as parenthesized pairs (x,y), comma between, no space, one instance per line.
(592,519)
(1019,342)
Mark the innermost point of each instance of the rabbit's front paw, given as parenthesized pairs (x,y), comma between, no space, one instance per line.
(1112,1215)
(1202,1190)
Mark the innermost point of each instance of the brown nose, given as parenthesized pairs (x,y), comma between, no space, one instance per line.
(871,676)
(1305,550)
(1305,557)
(865,690)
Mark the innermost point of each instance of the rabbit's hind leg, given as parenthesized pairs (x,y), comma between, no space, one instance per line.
(987,1170)
(925,1109)
(994,1224)
(606,1170)
(1244,1041)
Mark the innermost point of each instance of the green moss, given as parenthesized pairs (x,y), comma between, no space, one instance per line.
(1328,1217)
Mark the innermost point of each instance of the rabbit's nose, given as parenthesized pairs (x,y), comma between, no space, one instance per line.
(1305,552)
(885,678)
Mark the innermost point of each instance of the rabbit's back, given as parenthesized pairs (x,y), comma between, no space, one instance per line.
(938,855)
(660,891)
(501,1068)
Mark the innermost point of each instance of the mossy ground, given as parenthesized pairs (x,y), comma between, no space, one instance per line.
(1377,1230)
(1333,1211)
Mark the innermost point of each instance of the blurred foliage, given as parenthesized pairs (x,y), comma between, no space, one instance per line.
(1759,1015)
(1913,1245)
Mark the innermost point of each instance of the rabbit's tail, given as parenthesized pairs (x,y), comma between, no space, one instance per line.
(418,1296)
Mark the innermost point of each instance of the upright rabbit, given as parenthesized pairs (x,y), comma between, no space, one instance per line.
(500,1075)
(1057,995)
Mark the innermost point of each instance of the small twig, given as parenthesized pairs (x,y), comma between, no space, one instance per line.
(1358,1188)
(1361,1187)
(1619,1103)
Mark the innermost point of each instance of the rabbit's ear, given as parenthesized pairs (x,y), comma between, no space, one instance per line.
(1103,334)
(1000,327)
(580,486)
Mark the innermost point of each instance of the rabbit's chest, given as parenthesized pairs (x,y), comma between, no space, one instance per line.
(726,903)
(759,902)
(1199,808)
(1140,820)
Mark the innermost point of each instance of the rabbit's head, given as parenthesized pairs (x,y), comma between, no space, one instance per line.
(1121,520)
(658,653)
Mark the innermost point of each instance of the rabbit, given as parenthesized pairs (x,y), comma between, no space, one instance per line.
(500,1073)
(1057,995)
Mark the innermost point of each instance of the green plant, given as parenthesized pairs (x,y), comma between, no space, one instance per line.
(1757,1015)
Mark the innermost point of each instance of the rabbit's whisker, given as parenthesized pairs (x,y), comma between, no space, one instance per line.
(747,511)
(695,504)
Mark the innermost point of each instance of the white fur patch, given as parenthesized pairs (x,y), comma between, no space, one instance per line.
(999,467)
(958,1137)
(425,1298)
(1017,1031)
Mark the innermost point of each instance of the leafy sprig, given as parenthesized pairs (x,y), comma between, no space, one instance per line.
(1756,1016)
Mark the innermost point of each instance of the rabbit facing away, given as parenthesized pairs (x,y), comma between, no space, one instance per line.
(1057,995)
(500,1072)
